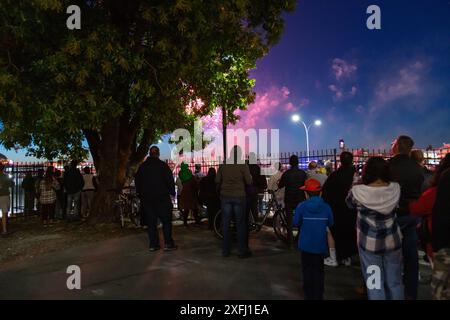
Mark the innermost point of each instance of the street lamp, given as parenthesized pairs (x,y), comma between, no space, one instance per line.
(296,118)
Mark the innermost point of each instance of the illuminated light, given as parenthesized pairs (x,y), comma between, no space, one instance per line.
(318,123)
(296,118)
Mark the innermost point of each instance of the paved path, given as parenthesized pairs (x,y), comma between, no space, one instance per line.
(123,269)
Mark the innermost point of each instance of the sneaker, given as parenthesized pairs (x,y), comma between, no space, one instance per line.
(347,262)
(153,249)
(170,248)
(330,262)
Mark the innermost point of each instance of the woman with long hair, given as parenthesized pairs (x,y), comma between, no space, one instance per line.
(379,236)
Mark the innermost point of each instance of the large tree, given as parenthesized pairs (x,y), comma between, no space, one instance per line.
(127,76)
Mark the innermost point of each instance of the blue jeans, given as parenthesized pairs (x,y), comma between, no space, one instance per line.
(234,206)
(410,255)
(390,275)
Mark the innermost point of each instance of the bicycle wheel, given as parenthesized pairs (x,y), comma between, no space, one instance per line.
(218,225)
(280,226)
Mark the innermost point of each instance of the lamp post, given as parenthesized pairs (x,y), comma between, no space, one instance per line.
(296,118)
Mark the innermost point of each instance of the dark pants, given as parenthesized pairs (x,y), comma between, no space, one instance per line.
(212,209)
(234,206)
(155,209)
(410,256)
(313,276)
(289,217)
(29,202)
(48,211)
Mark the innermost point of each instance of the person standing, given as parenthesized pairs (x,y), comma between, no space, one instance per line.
(47,196)
(5,184)
(272,185)
(88,192)
(189,194)
(379,236)
(440,281)
(334,193)
(232,179)
(155,186)
(255,191)
(179,186)
(417,156)
(409,174)
(29,191)
(314,217)
(60,212)
(292,180)
(314,173)
(198,174)
(208,196)
(37,183)
(423,207)
(73,184)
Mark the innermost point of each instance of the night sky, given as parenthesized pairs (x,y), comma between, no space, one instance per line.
(367,86)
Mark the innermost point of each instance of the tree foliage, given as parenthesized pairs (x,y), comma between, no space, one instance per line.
(127,76)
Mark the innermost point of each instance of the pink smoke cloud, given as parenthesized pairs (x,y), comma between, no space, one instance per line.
(268,104)
(343,69)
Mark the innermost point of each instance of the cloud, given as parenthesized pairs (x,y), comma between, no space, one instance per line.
(338,94)
(405,83)
(343,69)
(268,105)
(344,72)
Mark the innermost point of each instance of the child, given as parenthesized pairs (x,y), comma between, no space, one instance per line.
(313,216)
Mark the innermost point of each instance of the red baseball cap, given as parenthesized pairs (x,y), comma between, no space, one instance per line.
(311,185)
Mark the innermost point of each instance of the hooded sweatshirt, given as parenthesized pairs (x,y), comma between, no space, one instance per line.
(313,216)
(376,227)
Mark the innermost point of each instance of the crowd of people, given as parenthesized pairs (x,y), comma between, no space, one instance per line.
(379,217)
(52,194)
(376,217)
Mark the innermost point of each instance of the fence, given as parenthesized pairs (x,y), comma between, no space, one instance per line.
(17,172)
(328,158)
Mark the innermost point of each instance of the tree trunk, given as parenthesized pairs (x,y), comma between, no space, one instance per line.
(115,155)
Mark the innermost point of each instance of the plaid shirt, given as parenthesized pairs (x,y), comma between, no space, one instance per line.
(377,233)
(47,194)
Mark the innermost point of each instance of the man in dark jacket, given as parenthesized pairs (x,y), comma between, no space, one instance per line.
(408,174)
(73,184)
(334,192)
(292,180)
(155,186)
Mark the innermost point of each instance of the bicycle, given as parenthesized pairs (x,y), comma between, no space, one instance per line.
(128,208)
(279,220)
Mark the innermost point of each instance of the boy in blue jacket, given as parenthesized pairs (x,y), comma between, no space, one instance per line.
(313,216)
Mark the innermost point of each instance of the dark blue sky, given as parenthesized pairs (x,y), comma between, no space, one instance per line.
(367,86)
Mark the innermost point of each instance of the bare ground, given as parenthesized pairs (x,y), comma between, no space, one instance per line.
(28,237)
